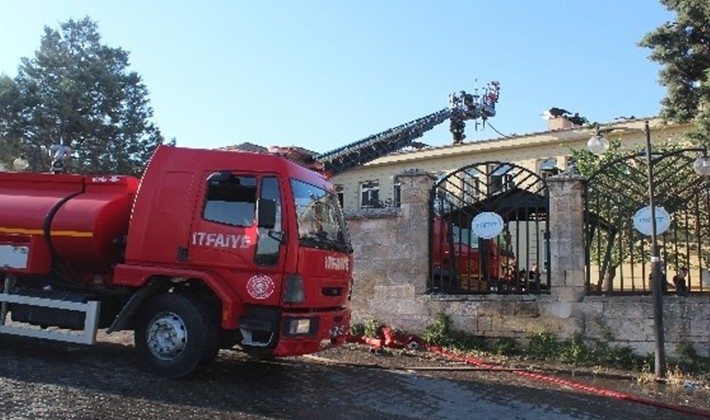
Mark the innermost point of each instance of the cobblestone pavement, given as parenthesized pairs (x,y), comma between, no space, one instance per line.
(42,380)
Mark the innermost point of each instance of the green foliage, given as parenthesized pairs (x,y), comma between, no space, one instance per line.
(574,350)
(78,92)
(468,342)
(545,346)
(439,331)
(505,346)
(622,357)
(681,48)
(688,360)
(357,330)
(685,350)
(604,188)
(542,345)
(373,328)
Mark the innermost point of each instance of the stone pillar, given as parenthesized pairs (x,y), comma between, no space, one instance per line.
(566,220)
(412,227)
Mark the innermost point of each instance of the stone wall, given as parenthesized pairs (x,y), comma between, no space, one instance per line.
(392,264)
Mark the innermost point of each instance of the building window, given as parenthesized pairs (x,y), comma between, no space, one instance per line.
(340,194)
(397,194)
(548,167)
(501,178)
(471,185)
(369,194)
(570,161)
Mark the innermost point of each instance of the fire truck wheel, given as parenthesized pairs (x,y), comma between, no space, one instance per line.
(175,336)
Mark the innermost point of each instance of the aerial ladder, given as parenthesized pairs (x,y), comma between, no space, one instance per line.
(462,107)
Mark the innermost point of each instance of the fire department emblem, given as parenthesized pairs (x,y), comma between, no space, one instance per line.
(260,287)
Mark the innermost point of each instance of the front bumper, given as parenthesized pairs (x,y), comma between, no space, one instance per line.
(298,336)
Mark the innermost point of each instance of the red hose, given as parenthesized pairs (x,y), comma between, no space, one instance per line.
(576,385)
(391,340)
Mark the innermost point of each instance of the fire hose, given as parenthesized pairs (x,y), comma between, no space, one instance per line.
(392,340)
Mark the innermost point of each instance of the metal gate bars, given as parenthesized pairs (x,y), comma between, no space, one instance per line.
(489,231)
(618,253)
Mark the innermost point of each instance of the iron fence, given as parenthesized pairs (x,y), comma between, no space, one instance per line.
(511,259)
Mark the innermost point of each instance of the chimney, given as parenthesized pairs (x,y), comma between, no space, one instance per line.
(559,123)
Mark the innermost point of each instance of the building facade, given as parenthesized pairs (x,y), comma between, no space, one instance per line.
(373,184)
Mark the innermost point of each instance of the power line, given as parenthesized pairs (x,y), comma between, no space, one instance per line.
(498,132)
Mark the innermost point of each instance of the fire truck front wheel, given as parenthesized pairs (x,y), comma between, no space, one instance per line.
(175,336)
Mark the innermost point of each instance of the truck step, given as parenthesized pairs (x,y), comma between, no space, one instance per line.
(87,336)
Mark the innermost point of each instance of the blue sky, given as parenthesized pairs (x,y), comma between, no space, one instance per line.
(322,74)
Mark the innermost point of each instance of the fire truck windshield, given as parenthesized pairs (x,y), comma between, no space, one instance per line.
(320,218)
(464,236)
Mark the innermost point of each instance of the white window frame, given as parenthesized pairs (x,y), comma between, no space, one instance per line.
(372,189)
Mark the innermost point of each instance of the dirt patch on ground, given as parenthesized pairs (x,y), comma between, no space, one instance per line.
(614,383)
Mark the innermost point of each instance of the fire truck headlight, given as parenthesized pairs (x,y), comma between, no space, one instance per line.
(299,326)
(294,289)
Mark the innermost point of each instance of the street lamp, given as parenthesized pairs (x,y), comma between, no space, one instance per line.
(597,144)
(660,362)
(702,166)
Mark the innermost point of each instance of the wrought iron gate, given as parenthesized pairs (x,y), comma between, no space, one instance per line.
(617,254)
(489,231)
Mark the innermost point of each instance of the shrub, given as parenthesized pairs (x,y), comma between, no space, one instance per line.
(574,350)
(465,341)
(623,357)
(689,360)
(439,331)
(506,346)
(373,328)
(357,330)
(685,350)
(542,345)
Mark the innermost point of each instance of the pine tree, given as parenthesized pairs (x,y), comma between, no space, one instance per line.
(78,92)
(682,47)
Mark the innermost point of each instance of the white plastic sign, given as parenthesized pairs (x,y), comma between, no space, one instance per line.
(487,225)
(642,220)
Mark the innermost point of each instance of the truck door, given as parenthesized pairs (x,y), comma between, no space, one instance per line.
(226,238)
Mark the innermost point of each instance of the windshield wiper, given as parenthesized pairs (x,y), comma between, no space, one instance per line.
(322,238)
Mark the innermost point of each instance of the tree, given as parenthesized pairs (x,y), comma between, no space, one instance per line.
(682,47)
(78,92)
(10,111)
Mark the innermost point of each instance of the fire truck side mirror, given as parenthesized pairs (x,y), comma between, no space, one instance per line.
(266,213)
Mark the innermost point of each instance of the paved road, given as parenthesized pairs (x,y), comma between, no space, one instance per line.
(52,380)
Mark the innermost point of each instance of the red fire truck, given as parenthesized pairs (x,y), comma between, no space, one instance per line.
(463,262)
(210,249)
